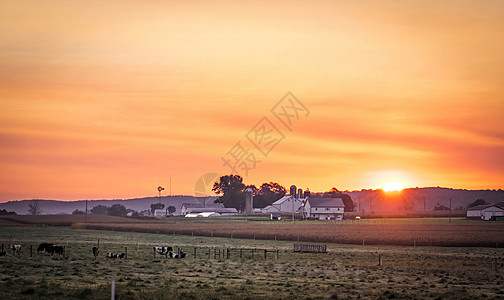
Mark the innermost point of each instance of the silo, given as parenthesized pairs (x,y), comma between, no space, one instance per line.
(249,201)
(300,193)
(293,191)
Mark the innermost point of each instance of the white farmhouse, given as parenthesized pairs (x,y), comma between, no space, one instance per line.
(324,208)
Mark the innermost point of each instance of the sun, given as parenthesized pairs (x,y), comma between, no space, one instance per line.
(393,186)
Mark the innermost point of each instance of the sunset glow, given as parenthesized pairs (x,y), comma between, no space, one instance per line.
(112,99)
(393,187)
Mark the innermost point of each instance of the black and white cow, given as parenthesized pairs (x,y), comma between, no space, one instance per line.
(95,252)
(3,253)
(116,255)
(16,249)
(45,247)
(182,254)
(163,250)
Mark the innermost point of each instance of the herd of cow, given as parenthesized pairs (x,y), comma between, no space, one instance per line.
(51,249)
(44,247)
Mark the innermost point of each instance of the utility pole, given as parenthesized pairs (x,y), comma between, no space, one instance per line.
(450,212)
(424,207)
(86,213)
(170,185)
(293,199)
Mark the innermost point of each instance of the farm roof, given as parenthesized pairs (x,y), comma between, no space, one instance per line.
(326,202)
(479,207)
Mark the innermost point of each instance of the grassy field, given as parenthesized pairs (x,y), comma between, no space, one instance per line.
(345,272)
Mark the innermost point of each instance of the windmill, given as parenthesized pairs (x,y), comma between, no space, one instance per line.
(160,188)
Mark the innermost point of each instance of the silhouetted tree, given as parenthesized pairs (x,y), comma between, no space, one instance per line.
(171,209)
(78,212)
(4,212)
(439,206)
(347,200)
(34,208)
(99,210)
(155,206)
(269,193)
(117,210)
(231,188)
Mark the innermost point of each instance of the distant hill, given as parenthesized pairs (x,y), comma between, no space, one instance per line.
(67,207)
(416,198)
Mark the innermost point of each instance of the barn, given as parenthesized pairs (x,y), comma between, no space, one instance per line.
(492,212)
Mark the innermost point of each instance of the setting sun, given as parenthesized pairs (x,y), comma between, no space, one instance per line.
(393,187)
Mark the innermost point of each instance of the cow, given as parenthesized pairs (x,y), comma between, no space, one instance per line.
(116,255)
(3,253)
(163,250)
(95,252)
(45,247)
(16,249)
(182,254)
(58,250)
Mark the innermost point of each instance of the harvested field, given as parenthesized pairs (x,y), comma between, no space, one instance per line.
(392,232)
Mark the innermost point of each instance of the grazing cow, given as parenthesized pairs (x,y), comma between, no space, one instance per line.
(16,249)
(163,250)
(3,253)
(116,255)
(58,250)
(182,254)
(95,252)
(45,247)
(173,255)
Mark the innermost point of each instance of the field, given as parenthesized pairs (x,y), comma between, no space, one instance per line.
(346,271)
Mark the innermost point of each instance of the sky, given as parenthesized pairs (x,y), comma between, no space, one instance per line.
(111,99)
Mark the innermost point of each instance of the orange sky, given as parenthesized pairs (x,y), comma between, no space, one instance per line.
(111,99)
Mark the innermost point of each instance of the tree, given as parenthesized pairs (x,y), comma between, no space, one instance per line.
(153,207)
(34,208)
(269,193)
(231,188)
(100,210)
(439,206)
(78,212)
(347,200)
(171,209)
(476,203)
(4,212)
(117,210)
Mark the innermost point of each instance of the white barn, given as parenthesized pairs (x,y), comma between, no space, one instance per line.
(490,213)
(324,208)
(476,211)
(286,204)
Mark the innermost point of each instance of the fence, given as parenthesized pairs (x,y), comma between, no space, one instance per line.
(235,253)
(310,248)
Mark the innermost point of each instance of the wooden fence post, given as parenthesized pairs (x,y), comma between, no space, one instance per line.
(380,262)
(241,253)
(98,244)
(277,254)
(265,253)
(112,292)
(31,250)
(194,252)
(154,251)
(126,252)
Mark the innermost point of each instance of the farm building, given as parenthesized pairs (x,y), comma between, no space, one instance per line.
(188,207)
(492,212)
(475,211)
(286,204)
(486,212)
(198,208)
(324,208)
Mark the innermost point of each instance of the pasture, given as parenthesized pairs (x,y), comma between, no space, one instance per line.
(345,272)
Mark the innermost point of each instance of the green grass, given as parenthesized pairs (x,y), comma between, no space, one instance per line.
(346,272)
